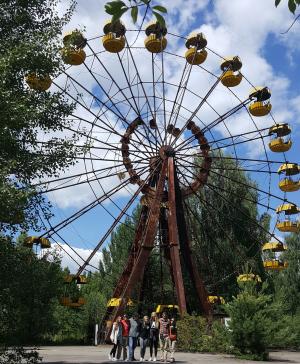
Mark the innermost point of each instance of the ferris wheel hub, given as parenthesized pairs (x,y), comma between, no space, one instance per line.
(166,151)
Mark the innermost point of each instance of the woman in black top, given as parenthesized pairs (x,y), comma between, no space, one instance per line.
(154,336)
(144,333)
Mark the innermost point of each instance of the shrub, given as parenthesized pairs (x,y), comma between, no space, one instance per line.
(193,335)
(251,314)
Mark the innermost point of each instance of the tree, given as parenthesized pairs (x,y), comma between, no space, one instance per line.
(225,227)
(287,282)
(29,290)
(251,314)
(30,42)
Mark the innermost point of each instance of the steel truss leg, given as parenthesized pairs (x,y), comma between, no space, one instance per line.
(146,247)
(174,239)
(187,255)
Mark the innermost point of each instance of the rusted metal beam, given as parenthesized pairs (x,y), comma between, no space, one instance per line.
(146,247)
(174,238)
(187,254)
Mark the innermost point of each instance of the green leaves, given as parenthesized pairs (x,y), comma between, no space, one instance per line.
(162,9)
(134,14)
(117,8)
(292,4)
(159,18)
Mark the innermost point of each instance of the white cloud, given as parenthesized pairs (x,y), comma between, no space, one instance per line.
(68,262)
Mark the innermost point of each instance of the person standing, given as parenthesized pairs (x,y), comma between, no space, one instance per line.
(116,339)
(154,336)
(125,333)
(133,335)
(144,333)
(164,324)
(172,339)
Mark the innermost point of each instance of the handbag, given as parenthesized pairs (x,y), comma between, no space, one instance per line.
(172,337)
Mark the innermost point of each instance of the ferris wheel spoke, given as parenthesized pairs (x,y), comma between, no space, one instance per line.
(154,100)
(145,126)
(87,109)
(104,104)
(214,188)
(194,165)
(141,161)
(109,98)
(112,227)
(62,239)
(88,180)
(210,209)
(232,137)
(141,83)
(86,208)
(217,121)
(175,103)
(195,112)
(237,267)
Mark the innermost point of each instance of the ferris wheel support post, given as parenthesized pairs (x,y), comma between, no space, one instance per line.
(174,239)
(147,245)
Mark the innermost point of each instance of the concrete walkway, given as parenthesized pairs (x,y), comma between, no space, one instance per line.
(92,354)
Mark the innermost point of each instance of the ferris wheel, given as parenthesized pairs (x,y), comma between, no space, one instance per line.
(157,115)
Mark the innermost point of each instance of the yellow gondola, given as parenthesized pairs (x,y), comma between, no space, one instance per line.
(231,76)
(73,56)
(38,83)
(280,143)
(115,302)
(114,36)
(43,242)
(248,277)
(216,300)
(68,302)
(65,301)
(274,246)
(74,38)
(195,43)
(80,302)
(275,264)
(162,308)
(289,183)
(79,280)
(261,106)
(288,225)
(155,41)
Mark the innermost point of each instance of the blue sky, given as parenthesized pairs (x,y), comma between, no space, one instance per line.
(248,28)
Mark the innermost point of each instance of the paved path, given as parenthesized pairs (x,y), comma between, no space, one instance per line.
(92,354)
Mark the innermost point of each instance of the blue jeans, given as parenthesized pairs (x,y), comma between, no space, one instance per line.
(132,345)
(143,343)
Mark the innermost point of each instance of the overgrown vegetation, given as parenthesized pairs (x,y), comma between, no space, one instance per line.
(31,48)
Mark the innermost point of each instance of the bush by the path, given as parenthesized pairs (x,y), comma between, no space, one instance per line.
(194,336)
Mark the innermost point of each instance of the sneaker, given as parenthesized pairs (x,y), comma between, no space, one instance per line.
(142,359)
(114,359)
(154,359)
(150,359)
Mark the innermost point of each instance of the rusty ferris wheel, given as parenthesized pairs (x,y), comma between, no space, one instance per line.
(145,108)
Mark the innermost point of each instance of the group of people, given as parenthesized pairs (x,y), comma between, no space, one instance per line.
(150,332)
